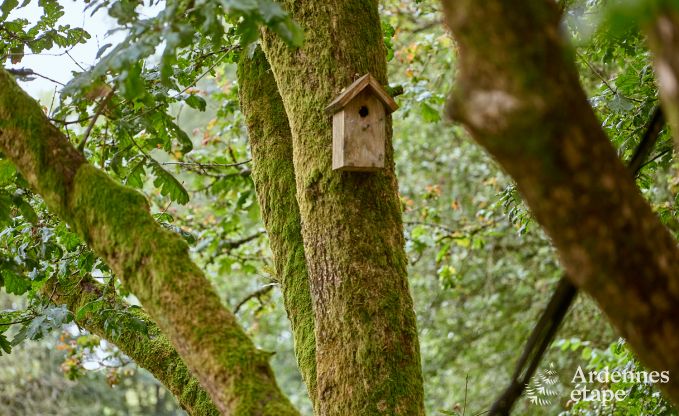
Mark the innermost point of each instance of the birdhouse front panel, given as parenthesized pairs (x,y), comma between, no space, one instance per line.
(359,131)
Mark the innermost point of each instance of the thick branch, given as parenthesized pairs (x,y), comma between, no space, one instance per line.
(663,36)
(562,298)
(274,178)
(153,262)
(518,94)
(153,352)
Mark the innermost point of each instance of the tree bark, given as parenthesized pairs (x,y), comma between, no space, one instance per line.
(663,36)
(153,352)
(274,177)
(152,262)
(367,353)
(518,94)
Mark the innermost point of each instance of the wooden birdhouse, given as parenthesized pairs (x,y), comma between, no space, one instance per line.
(359,125)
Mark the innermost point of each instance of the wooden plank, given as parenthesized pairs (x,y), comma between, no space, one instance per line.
(338,140)
(361,131)
(349,93)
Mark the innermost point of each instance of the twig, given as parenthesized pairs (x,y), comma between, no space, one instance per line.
(601,77)
(208,165)
(27,72)
(22,321)
(658,156)
(428,25)
(230,245)
(256,294)
(99,110)
(54,95)
(74,61)
(69,122)
(647,141)
(466,390)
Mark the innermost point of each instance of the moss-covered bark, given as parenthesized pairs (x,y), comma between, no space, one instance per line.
(367,353)
(153,352)
(154,263)
(274,177)
(518,93)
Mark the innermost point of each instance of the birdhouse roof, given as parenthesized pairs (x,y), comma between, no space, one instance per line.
(349,93)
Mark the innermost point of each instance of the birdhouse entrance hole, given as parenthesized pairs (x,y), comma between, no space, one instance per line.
(363,111)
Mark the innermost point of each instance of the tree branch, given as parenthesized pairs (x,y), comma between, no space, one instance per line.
(152,262)
(663,37)
(544,331)
(153,352)
(518,94)
(256,294)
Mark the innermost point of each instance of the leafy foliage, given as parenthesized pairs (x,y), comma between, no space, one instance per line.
(18,35)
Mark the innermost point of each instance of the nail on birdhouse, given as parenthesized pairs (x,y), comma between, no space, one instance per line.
(359,125)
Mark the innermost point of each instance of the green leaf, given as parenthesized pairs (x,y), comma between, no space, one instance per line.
(429,113)
(169,185)
(5,345)
(134,178)
(182,138)
(138,325)
(291,32)
(26,209)
(14,283)
(7,7)
(90,307)
(7,172)
(69,240)
(197,102)
(102,50)
(5,208)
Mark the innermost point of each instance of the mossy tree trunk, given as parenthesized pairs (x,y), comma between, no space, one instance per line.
(274,177)
(152,262)
(367,353)
(518,93)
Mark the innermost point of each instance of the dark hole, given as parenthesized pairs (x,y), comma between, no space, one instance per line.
(363,111)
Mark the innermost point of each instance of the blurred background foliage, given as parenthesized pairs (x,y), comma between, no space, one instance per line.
(160,113)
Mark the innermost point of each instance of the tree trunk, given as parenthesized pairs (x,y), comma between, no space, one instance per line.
(518,94)
(274,178)
(367,353)
(152,262)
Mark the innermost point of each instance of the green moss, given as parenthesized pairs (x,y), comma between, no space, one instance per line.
(274,177)
(153,262)
(28,139)
(154,353)
(367,349)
